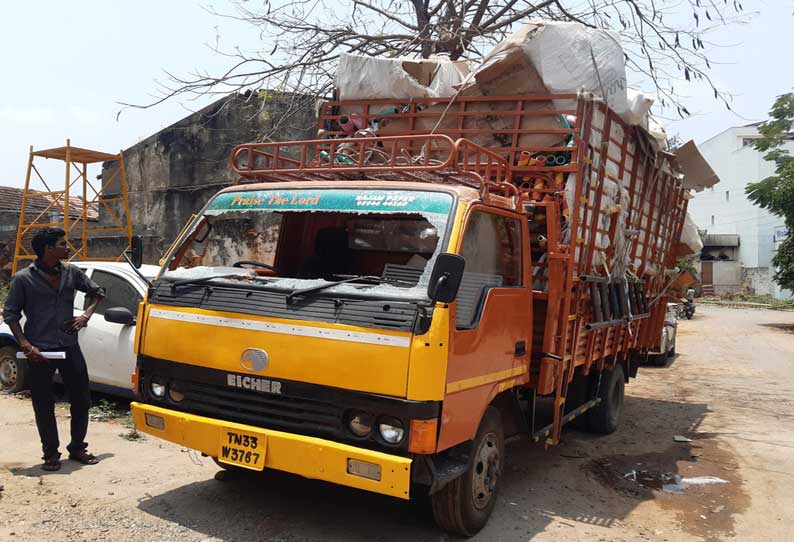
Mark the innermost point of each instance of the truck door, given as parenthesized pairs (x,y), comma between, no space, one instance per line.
(490,344)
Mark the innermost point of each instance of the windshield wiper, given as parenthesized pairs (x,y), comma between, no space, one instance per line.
(200,280)
(304,291)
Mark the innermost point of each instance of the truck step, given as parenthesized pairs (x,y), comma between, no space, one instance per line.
(546,431)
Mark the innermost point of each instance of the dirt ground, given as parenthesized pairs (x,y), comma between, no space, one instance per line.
(729,390)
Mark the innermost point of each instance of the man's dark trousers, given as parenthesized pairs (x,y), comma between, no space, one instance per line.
(74,373)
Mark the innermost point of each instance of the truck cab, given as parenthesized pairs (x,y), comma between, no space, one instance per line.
(302,317)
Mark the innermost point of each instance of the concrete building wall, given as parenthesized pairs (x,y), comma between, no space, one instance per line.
(725,209)
(727,277)
(173,173)
(757,280)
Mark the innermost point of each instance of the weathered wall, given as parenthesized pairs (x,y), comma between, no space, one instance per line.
(757,280)
(727,277)
(173,173)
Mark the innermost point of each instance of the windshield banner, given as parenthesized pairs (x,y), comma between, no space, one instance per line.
(402,201)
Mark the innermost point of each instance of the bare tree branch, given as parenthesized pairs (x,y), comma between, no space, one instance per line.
(302,40)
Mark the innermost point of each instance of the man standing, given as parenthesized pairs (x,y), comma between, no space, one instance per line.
(44,292)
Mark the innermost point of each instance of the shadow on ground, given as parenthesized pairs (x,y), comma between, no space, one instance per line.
(540,486)
(68,466)
(781,327)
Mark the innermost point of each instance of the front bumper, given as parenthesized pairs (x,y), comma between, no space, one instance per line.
(310,457)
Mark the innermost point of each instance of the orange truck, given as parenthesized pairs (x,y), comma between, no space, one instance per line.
(383,309)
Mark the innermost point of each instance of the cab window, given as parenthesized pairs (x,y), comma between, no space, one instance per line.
(492,248)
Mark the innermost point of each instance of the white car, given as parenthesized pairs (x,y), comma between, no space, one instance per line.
(667,339)
(107,347)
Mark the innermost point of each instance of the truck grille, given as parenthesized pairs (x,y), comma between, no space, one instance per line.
(306,416)
(300,408)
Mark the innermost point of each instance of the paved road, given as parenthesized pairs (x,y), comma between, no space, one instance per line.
(729,390)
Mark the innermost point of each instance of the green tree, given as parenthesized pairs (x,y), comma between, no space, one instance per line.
(776,193)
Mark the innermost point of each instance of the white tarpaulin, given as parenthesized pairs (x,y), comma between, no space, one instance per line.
(690,237)
(363,77)
(570,57)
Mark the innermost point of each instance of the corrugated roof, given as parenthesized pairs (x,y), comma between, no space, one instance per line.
(11,200)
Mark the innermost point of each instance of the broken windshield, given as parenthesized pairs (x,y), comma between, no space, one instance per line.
(298,239)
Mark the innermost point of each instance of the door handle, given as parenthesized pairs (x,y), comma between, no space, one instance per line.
(521,348)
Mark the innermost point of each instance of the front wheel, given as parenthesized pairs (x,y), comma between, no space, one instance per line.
(13,371)
(464,505)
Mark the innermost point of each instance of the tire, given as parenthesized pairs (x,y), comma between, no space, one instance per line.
(605,418)
(464,505)
(226,466)
(657,360)
(13,371)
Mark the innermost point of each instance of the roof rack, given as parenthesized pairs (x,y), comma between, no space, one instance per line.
(427,158)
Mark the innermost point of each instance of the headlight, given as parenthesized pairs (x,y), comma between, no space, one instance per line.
(158,388)
(361,424)
(176,392)
(391,430)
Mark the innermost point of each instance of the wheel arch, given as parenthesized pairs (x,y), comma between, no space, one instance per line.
(6,339)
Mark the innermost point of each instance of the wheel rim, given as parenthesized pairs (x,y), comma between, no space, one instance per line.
(8,373)
(485,471)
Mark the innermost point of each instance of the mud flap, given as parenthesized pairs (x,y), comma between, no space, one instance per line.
(438,470)
(633,361)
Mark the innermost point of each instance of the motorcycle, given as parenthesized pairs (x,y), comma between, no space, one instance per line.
(686,309)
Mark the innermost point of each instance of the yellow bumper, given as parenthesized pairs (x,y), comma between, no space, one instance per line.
(310,457)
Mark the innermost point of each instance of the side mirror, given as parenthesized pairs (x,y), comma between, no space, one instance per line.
(120,315)
(136,252)
(446,277)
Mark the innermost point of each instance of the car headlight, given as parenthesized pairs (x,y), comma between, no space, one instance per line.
(157,388)
(361,424)
(391,430)
(176,392)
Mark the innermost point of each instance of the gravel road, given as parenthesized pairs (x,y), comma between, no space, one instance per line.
(728,391)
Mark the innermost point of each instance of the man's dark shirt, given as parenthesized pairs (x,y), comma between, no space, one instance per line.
(46,309)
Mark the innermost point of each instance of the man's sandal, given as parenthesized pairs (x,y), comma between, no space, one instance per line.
(84,457)
(52,463)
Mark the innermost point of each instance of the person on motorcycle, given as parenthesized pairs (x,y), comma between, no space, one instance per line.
(688,310)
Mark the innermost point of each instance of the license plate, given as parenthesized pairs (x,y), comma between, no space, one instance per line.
(242,448)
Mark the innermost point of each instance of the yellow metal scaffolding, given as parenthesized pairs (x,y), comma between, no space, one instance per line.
(72,215)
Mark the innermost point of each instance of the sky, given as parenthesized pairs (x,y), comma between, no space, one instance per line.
(66,65)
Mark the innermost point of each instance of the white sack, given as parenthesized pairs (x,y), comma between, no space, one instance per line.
(690,236)
(639,105)
(361,77)
(563,54)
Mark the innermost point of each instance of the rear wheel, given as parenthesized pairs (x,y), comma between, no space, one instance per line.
(13,371)
(605,418)
(464,505)
(657,360)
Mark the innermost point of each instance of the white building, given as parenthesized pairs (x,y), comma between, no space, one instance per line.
(737,230)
